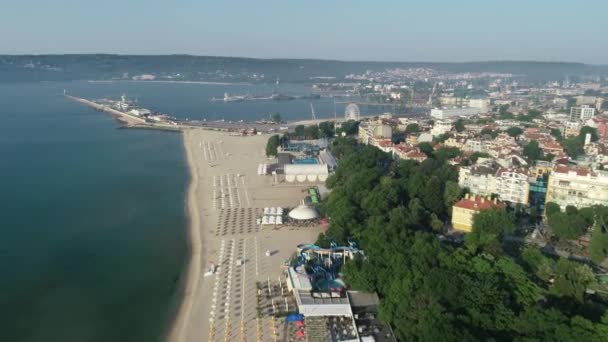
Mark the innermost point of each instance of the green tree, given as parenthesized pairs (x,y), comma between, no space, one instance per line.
(532,151)
(441,138)
(488,131)
(432,197)
(538,264)
(350,127)
(532,114)
(586,129)
(514,131)
(552,208)
(426,148)
(451,195)
(557,134)
(326,129)
(272,145)
(572,279)
(503,108)
(343,146)
(573,146)
(446,153)
(436,224)
(489,227)
(312,132)
(299,131)
(459,125)
(412,128)
(567,226)
(598,247)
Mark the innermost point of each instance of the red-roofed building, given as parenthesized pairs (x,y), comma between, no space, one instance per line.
(385,145)
(408,151)
(464,210)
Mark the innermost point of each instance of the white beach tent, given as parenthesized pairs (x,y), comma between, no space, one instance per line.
(303,212)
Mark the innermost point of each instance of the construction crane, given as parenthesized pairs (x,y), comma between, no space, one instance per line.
(430,103)
(314,116)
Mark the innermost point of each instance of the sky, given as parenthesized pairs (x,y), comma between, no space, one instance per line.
(372,30)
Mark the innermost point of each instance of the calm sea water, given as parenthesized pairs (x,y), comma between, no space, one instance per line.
(92,236)
(92,224)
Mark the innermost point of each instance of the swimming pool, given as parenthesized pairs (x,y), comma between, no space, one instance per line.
(306,161)
(326,285)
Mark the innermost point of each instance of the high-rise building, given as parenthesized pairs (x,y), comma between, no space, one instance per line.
(581,113)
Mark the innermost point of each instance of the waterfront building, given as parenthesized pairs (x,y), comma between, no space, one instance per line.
(448,113)
(579,187)
(464,210)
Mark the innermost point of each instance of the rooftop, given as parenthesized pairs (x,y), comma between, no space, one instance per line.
(478,203)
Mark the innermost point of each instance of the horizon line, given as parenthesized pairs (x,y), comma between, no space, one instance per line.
(300,59)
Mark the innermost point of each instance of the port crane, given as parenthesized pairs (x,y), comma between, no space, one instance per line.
(314,116)
(430,102)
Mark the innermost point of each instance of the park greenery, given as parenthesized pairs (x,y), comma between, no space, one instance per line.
(273,144)
(438,291)
(572,223)
(324,129)
(574,146)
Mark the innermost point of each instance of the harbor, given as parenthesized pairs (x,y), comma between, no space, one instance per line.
(131,115)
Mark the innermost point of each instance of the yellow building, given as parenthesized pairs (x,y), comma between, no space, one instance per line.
(463,211)
(541,169)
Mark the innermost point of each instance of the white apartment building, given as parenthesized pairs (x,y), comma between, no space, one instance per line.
(474,145)
(578,187)
(513,185)
(581,113)
(509,184)
(479,179)
(440,127)
(482,104)
(448,113)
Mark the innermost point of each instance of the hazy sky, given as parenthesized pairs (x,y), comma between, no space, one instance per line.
(405,30)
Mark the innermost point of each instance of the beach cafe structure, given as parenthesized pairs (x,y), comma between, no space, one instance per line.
(306,173)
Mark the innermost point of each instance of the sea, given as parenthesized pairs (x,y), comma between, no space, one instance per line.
(92,217)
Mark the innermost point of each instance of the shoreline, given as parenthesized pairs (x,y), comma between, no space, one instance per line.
(174,82)
(191,277)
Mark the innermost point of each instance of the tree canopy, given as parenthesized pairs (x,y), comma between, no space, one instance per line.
(437,291)
(412,128)
(514,131)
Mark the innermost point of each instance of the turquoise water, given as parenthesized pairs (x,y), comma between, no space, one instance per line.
(92,238)
(326,285)
(306,161)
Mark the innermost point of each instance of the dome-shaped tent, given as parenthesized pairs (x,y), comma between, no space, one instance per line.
(303,212)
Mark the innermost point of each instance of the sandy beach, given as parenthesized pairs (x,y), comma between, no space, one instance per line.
(224,197)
